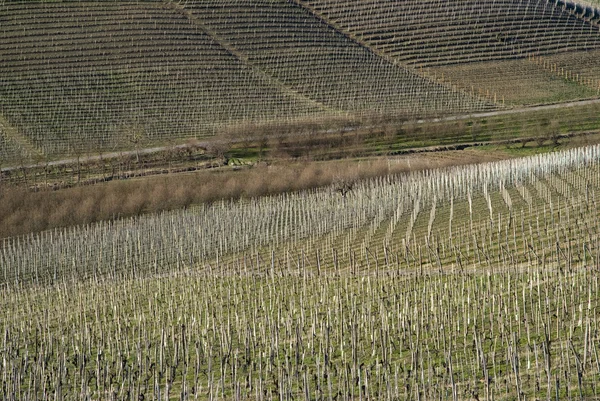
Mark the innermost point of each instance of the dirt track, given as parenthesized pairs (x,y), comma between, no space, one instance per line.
(516,111)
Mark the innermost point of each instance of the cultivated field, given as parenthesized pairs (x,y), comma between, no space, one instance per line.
(463,283)
(76,79)
(511,41)
(301,244)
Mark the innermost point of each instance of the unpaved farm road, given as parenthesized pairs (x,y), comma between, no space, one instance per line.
(114,155)
(521,110)
(104,156)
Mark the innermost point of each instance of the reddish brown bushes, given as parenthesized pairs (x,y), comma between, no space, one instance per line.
(23,211)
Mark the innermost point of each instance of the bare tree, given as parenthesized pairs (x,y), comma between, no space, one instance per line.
(343,186)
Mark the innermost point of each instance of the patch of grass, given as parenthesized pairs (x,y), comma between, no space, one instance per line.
(536,86)
(520,151)
(517,150)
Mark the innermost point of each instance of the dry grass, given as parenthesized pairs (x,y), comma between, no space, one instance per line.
(23,211)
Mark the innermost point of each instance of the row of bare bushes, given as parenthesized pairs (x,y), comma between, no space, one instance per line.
(23,211)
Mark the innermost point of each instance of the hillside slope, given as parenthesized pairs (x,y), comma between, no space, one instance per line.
(313,59)
(434,32)
(86,76)
(501,48)
(74,76)
(477,282)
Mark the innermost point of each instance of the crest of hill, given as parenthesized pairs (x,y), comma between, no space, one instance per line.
(88,75)
(516,49)
(78,76)
(435,32)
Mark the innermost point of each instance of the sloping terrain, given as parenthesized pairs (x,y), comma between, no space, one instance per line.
(490,47)
(89,76)
(519,82)
(477,282)
(313,59)
(93,75)
(99,74)
(435,32)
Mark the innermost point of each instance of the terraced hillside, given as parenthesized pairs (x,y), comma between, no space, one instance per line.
(86,76)
(74,76)
(434,32)
(490,48)
(461,40)
(313,59)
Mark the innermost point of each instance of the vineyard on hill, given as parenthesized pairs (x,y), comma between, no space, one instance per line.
(90,76)
(471,282)
(301,245)
(492,48)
